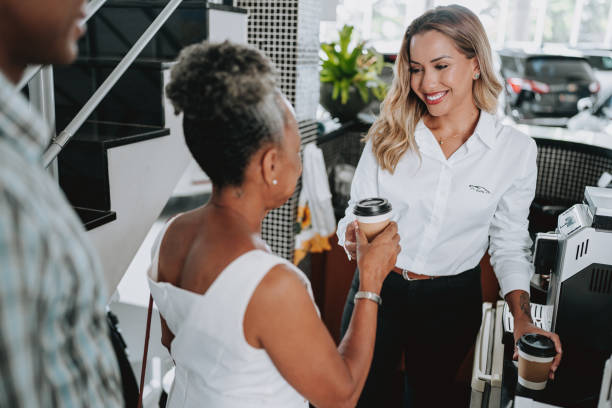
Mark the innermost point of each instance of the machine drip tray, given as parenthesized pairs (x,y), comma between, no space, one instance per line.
(568,390)
(540,314)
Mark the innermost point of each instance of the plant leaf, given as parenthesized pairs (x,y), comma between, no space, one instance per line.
(380,89)
(344,67)
(350,64)
(363,91)
(344,91)
(345,38)
(336,90)
(330,52)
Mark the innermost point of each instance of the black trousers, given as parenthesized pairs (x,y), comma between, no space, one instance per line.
(436,322)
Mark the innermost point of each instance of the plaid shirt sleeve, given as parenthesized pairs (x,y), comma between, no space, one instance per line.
(21,248)
(55,349)
(54,344)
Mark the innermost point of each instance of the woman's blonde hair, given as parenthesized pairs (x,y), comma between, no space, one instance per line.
(392,134)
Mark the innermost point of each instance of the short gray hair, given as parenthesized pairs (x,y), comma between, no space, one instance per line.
(231,106)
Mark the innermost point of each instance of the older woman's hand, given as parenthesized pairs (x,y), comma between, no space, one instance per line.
(350,242)
(377,258)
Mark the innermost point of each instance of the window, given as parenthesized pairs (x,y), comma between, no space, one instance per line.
(557,68)
(594,21)
(507,22)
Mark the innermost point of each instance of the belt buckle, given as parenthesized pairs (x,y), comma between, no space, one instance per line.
(405,275)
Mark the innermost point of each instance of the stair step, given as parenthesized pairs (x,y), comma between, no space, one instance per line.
(94,218)
(111,134)
(136,98)
(118,24)
(83,165)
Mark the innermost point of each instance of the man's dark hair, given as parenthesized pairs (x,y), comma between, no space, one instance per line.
(230,104)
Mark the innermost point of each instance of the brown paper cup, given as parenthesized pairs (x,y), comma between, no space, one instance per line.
(374,225)
(536,354)
(533,371)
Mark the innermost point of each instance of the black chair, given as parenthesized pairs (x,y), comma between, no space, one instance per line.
(564,170)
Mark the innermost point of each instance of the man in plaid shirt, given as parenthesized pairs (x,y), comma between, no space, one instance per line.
(54,342)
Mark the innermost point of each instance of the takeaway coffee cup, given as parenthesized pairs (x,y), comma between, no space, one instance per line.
(373,215)
(536,354)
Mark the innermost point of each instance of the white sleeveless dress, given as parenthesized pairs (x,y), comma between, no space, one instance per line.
(215,366)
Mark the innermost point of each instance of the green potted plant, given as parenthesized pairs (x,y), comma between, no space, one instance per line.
(349,76)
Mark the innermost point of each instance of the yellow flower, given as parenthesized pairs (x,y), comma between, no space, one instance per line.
(306,217)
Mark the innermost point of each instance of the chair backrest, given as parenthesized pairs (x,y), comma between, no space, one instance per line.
(566,168)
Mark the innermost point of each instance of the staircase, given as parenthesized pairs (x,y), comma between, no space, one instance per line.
(122,165)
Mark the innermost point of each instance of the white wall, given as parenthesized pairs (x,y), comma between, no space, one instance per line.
(142,177)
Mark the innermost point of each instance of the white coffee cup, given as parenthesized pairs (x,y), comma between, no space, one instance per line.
(373,215)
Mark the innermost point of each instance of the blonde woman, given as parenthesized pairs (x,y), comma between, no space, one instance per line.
(459,182)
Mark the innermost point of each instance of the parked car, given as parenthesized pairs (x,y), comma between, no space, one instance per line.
(597,116)
(540,86)
(601,62)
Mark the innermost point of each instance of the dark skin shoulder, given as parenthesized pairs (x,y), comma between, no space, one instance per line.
(197,247)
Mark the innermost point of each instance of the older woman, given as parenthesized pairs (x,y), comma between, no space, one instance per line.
(240,322)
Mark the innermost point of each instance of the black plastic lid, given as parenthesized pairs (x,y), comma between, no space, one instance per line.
(537,345)
(369,207)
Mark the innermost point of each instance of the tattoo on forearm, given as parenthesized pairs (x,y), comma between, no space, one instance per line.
(524,305)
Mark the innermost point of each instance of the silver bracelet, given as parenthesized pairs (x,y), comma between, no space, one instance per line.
(369,295)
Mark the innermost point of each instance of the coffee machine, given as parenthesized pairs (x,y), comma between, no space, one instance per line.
(578,259)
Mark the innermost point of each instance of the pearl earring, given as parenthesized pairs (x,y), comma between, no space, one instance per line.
(477,75)
(275,181)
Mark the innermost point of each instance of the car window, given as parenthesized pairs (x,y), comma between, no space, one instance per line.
(508,65)
(595,61)
(508,62)
(606,63)
(574,69)
(600,62)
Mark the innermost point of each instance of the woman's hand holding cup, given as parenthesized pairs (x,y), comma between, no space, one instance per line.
(373,215)
(350,244)
(377,257)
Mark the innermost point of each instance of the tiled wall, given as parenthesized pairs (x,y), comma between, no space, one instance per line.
(279,224)
(307,76)
(287,31)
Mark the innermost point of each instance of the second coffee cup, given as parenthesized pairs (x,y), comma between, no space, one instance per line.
(373,215)
(536,354)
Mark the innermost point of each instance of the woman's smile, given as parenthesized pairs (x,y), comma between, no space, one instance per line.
(435,98)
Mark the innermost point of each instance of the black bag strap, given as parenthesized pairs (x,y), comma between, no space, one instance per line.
(145,351)
(128,379)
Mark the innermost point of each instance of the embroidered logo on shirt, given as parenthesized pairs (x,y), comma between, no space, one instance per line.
(479,189)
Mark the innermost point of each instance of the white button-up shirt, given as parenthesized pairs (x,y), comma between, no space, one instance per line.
(449,211)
